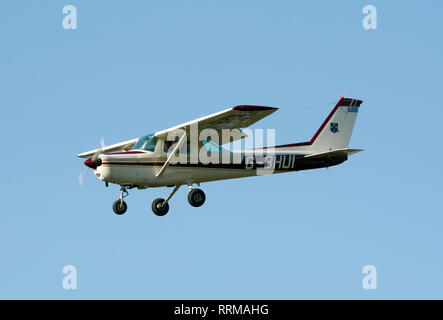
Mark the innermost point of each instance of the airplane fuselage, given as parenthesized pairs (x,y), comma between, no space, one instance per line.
(139,168)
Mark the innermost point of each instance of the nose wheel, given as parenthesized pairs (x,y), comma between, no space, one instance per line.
(119,207)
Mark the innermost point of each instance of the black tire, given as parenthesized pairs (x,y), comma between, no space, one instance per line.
(196,197)
(119,208)
(160,211)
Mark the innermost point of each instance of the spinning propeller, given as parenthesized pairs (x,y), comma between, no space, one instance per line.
(92,162)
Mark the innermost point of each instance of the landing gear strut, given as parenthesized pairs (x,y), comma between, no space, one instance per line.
(160,206)
(120,205)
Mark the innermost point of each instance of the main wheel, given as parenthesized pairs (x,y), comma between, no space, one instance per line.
(196,197)
(157,207)
(119,208)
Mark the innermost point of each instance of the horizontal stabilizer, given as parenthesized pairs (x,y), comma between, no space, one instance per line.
(333,153)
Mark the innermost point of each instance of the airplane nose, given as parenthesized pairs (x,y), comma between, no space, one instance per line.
(90,163)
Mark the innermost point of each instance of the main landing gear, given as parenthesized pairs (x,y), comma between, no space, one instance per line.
(160,206)
(196,198)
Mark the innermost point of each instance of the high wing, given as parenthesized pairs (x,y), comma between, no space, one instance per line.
(233,118)
(125,145)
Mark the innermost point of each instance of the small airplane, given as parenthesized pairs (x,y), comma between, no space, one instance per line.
(179,155)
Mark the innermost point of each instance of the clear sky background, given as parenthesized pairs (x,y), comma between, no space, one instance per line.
(134,67)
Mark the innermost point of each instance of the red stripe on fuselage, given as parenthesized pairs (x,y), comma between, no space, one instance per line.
(126,152)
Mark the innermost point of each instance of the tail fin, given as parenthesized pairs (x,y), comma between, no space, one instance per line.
(336,130)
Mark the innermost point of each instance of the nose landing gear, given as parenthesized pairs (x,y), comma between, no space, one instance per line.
(120,205)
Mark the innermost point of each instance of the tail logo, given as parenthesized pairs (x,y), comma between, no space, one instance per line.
(334,127)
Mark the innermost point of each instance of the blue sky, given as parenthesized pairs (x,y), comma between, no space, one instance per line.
(135,67)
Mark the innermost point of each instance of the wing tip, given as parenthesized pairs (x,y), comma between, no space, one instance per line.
(253,108)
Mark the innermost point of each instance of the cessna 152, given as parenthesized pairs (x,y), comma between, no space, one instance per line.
(152,161)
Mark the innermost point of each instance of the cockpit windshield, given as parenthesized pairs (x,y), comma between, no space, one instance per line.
(147,143)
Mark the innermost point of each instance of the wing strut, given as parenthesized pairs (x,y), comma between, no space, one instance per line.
(168,160)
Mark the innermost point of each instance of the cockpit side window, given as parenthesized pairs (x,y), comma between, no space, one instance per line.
(168,146)
(147,143)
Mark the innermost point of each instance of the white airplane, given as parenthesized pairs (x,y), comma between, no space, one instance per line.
(190,154)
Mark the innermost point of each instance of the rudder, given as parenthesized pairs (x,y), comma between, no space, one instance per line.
(336,130)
